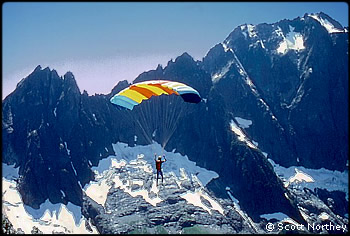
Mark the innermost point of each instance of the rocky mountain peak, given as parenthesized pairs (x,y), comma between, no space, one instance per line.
(159,67)
(119,87)
(324,18)
(184,62)
(70,83)
(214,52)
(38,68)
(37,78)
(185,57)
(216,59)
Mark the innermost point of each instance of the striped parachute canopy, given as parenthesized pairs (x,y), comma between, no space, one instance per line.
(136,93)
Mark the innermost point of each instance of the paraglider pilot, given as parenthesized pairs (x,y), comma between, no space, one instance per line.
(159,162)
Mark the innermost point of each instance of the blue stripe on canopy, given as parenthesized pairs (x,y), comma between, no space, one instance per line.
(123,101)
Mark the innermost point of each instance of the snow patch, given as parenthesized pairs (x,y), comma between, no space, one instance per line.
(241,135)
(141,192)
(7,124)
(217,76)
(244,33)
(194,198)
(248,30)
(116,164)
(9,172)
(94,116)
(75,172)
(233,199)
(262,44)
(292,41)
(326,24)
(277,215)
(243,123)
(226,48)
(323,216)
(298,97)
(251,31)
(98,191)
(300,177)
(68,151)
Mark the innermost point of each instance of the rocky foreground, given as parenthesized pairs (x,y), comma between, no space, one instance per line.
(135,204)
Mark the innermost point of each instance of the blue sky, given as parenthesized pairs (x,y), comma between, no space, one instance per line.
(103,43)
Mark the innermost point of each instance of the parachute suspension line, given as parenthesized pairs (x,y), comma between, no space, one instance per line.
(142,119)
(165,121)
(168,125)
(145,133)
(173,110)
(172,128)
(160,115)
(146,123)
(149,113)
(131,118)
(157,113)
(174,117)
(138,118)
(152,113)
(152,116)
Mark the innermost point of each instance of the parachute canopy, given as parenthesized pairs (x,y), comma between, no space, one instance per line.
(136,93)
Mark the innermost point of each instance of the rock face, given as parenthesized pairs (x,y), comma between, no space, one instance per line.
(51,132)
(299,72)
(289,79)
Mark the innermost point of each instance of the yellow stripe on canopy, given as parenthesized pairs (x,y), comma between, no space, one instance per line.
(154,89)
(134,95)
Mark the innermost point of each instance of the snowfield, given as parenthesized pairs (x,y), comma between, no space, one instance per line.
(142,157)
(175,161)
(300,177)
